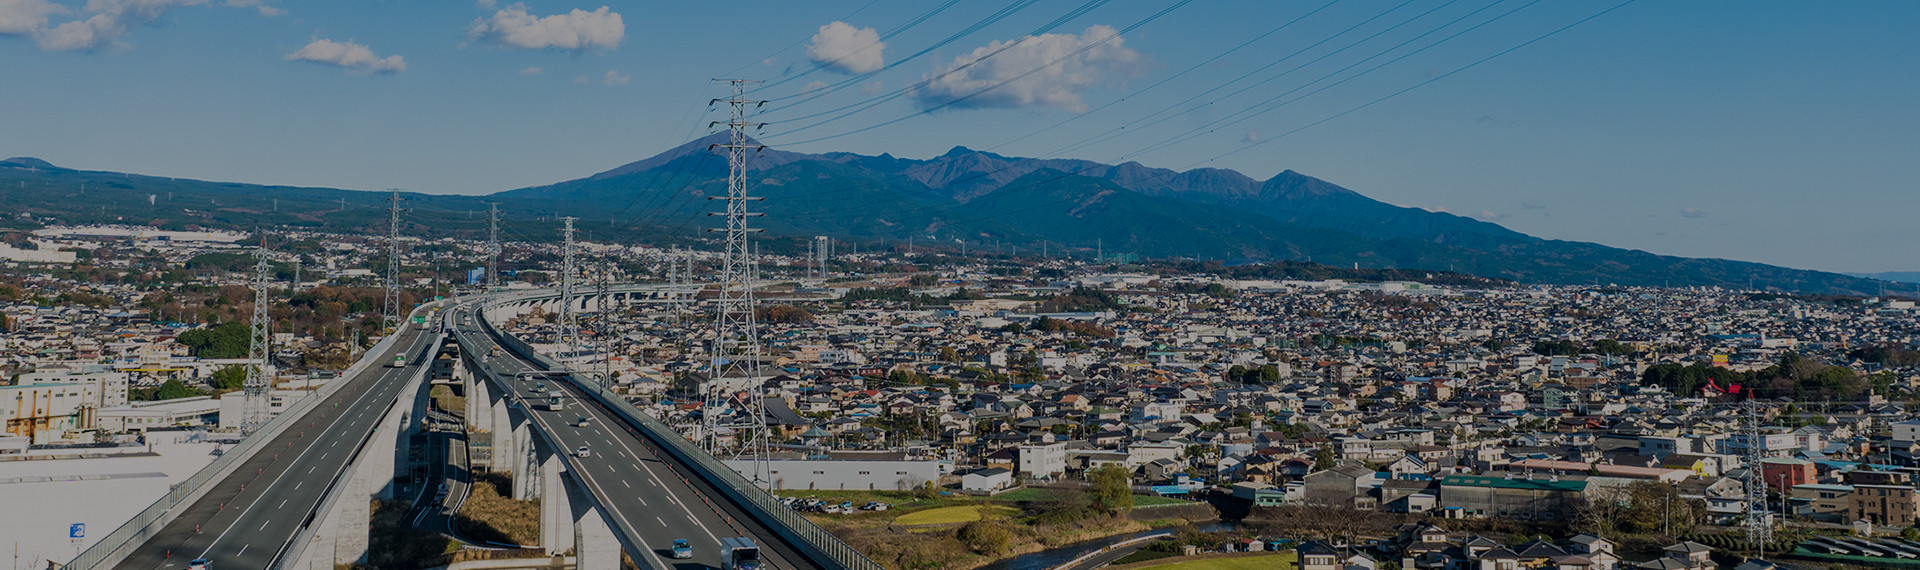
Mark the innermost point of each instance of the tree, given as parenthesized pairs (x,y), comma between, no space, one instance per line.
(985,537)
(226,340)
(229,378)
(1324,459)
(173,389)
(1112,488)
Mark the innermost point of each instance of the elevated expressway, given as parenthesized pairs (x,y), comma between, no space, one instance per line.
(277,492)
(639,486)
(295,493)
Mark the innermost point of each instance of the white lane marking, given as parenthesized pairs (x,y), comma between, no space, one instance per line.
(263,524)
(624,482)
(243,550)
(283,504)
(663,522)
(297,484)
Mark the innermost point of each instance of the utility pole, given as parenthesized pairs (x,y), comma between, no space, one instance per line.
(569,325)
(493,246)
(735,354)
(391,323)
(258,381)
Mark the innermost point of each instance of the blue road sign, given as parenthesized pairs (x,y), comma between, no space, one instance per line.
(77,530)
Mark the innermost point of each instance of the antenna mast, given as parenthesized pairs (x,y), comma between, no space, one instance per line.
(735,366)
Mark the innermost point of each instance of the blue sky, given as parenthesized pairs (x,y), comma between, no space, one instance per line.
(1769,131)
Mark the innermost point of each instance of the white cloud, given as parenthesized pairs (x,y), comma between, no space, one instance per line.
(265,10)
(577,30)
(348,55)
(582,80)
(106,22)
(871,87)
(532,70)
(1490,216)
(1691,213)
(1057,85)
(813,86)
(1253,136)
(26,17)
(615,78)
(841,47)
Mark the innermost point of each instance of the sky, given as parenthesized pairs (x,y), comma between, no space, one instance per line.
(1772,131)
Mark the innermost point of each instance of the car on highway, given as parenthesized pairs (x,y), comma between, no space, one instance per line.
(583,421)
(582,452)
(681,549)
(200,564)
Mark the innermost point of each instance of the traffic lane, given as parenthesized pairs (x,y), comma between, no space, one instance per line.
(698,521)
(198,532)
(619,455)
(599,475)
(719,518)
(648,506)
(257,544)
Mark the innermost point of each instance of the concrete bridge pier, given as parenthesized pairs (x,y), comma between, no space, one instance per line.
(556,510)
(525,461)
(594,545)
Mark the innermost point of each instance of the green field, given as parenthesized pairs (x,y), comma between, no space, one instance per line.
(1275,561)
(949,515)
(1038,494)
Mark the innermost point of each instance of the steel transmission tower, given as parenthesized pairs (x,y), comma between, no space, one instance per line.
(392,316)
(1759,517)
(735,365)
(493,247)
(603,324)
(569,322)
(259,379)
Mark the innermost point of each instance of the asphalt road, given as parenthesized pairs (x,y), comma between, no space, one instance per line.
(246,519)
(645,497)
(447,465)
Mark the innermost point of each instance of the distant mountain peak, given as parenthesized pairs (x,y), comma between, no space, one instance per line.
(28,162)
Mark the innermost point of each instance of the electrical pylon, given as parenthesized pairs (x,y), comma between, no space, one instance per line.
(569,321)
(1759,517)
(733,391)
(259,380)
(493,247)
(603,324)
(390,321)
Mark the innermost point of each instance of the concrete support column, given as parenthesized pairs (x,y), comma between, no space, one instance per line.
(399,428)
(556,511)
(502,428)
(594,545)
(340,536)
(356,513)
(526,462)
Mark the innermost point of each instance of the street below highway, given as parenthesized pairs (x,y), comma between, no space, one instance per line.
(246,519)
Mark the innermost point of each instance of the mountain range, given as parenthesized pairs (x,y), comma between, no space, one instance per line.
(962,199)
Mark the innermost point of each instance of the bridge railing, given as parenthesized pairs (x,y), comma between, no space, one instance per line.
(797,528)
(116,545)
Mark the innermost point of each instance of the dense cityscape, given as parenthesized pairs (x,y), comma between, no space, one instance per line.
(1579,426)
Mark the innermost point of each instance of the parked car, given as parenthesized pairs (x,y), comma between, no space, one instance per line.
(874,506)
